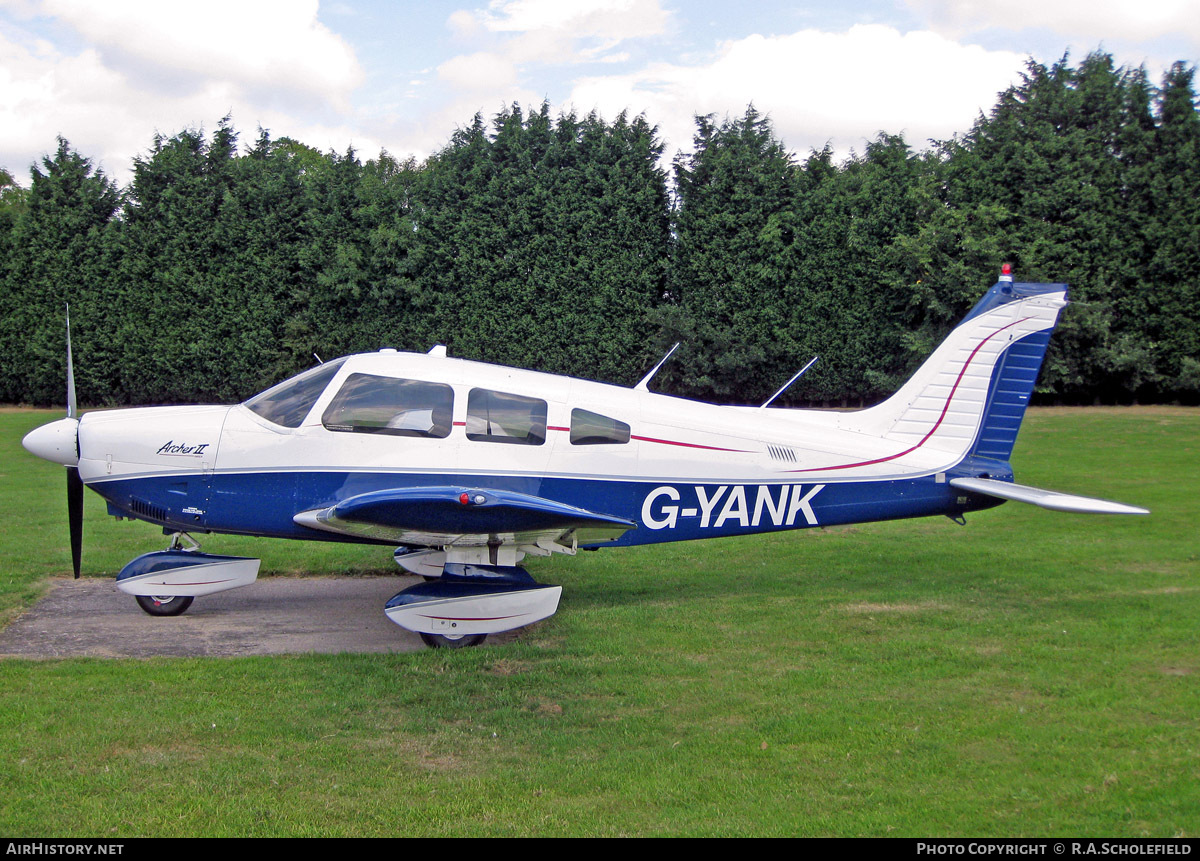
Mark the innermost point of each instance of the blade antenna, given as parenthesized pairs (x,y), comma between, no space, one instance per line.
(797,376)
(643,386)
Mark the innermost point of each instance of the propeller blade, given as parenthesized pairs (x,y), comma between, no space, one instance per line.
(75,516)
(71,404)
(74,482)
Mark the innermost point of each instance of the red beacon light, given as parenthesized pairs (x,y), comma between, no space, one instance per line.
(1006,272)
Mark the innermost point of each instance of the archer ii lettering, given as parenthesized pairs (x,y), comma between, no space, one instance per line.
(182,449)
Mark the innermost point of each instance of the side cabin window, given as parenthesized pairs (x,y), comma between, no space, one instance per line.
(588,428)
(501,417)
(287,403)
(386,405)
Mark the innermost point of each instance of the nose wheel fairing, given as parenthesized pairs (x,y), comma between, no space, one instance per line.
(185,573)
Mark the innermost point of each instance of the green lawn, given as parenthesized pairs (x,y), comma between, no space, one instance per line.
(1031,673)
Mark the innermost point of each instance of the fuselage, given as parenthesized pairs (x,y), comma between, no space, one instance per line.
(679,469)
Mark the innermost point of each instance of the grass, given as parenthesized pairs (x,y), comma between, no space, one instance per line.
(1031,673)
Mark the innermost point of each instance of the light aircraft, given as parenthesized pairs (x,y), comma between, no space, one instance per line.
(466,468)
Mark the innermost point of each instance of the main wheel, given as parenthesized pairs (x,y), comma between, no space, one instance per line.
(460,641)
(164,605)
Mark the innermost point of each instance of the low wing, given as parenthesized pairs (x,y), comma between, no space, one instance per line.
(445,516)
(1044,498)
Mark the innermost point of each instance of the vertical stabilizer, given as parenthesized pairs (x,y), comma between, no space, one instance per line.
(968,399)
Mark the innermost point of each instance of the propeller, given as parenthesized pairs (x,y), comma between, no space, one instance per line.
(74,482)
(58,442)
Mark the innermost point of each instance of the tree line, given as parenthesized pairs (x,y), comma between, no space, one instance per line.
(563,243)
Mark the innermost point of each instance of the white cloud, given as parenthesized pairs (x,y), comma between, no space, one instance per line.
(481,71)
(33,80)
(552,31)
(269,45)
(818,86)
(152,66)
(607,19)
(1093,20)
(510,37)
(464,24)
(132,67)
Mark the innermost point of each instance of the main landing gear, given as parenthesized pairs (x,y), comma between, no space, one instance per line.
(468,602)
(452,641)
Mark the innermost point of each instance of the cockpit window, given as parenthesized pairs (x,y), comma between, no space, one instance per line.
(588,428)
(386,405)
(500,417)
(287,403)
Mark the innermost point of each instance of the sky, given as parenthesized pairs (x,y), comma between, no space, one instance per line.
(108,75)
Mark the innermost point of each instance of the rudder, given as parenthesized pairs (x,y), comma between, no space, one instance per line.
(1013,378)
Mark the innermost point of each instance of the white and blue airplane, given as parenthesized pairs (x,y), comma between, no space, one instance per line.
(466,468)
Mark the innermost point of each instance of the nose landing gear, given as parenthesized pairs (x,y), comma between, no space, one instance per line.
(166,581)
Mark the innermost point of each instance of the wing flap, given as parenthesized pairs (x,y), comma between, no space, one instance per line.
(1044,498)
(443,516)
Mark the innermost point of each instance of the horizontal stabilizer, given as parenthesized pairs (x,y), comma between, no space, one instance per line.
(440,516)
(1044,498)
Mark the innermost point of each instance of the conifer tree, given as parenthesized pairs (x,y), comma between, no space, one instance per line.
(734,224)
(57,257)
(1173,266)
(544,243)
(178,342)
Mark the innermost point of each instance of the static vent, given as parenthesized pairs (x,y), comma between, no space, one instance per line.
(780,453)
(146,511)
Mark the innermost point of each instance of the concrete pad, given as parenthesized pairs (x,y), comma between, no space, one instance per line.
(275,615)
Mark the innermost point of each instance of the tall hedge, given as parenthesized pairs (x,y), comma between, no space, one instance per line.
(563,243)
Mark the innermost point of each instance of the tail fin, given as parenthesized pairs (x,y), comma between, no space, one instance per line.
(958,416)
(968,399)
(1013,376)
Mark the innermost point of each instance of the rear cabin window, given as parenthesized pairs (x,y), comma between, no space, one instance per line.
(588,428)
(500,417)
(288,402)
(386,405)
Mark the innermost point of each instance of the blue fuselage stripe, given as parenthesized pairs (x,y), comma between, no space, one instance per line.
(264,503)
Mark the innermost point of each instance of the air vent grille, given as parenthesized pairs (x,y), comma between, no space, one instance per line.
(781,453)
(146,510)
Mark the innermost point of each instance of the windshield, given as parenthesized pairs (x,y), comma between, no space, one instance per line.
(289,402)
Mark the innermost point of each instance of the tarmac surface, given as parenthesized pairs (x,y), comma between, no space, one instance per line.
(272,616)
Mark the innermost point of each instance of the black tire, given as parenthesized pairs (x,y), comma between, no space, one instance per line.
(463,641)
(164,605)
